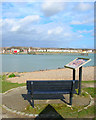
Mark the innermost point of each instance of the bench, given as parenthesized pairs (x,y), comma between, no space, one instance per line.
(52,87)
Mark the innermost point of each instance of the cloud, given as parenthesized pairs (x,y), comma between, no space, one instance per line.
(17,33)
(76,22)
(32,18)
(0,22)
(19,1)
(81,22)
(82,13)
(57,30)
(20,9)
(0,29)
(80,36)
(52,8)
(20,24)
(46,24)
(15,28)
(66,34)
(83,7)
(61,32)
(85,31)
(7,24)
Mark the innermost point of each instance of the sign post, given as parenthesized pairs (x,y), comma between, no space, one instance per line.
(80,78)
(77,63)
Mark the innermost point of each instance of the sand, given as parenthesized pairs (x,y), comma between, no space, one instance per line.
(58,74)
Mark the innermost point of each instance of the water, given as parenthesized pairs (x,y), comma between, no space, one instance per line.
(28,63)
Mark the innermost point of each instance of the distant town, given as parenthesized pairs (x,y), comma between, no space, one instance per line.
(37,50)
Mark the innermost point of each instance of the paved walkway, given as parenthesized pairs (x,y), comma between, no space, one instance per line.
(17,99)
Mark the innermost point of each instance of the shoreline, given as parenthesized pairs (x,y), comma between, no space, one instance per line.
(43,70)
(88,74)
(47,53)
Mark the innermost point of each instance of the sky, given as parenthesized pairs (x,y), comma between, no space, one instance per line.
(48,24)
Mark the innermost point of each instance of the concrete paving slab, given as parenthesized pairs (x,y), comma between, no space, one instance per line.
(15,99)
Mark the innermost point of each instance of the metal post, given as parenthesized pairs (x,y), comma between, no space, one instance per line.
(80,79)
(70,99)
(73,74)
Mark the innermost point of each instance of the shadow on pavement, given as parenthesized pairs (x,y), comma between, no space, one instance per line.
(43,97)
(49,113)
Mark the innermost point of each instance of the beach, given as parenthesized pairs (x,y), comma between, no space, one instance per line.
(88,74)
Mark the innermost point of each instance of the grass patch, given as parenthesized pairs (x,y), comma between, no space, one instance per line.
(64,110)
(93,81)
(61,109)
(87,112)
(83,93)
(2,77)
(91,91)
(6,85)
(11,75)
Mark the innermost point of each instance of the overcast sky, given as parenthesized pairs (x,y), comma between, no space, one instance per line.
(48,24)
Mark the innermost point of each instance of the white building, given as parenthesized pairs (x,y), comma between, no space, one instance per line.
(89,51)
(75,51)
(41,50)
(29,50)
(52,50)
(0,51)
(3,51)
(15,50)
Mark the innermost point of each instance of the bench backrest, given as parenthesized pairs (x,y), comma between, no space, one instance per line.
(58,85)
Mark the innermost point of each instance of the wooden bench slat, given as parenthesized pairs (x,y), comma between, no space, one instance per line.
(47,85)
(50,88)
(53,92)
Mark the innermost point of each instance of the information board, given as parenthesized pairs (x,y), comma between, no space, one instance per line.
(78,62)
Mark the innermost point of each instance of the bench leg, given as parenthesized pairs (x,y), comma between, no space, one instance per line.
(71,95)
(33,103)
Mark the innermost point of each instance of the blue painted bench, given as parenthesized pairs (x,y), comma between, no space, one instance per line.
(52,87)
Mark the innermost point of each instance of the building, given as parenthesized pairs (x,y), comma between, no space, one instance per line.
(15,50)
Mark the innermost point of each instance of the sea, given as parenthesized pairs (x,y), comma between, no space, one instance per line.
(29,63)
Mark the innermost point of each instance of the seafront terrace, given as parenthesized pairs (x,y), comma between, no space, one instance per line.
(20,50)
